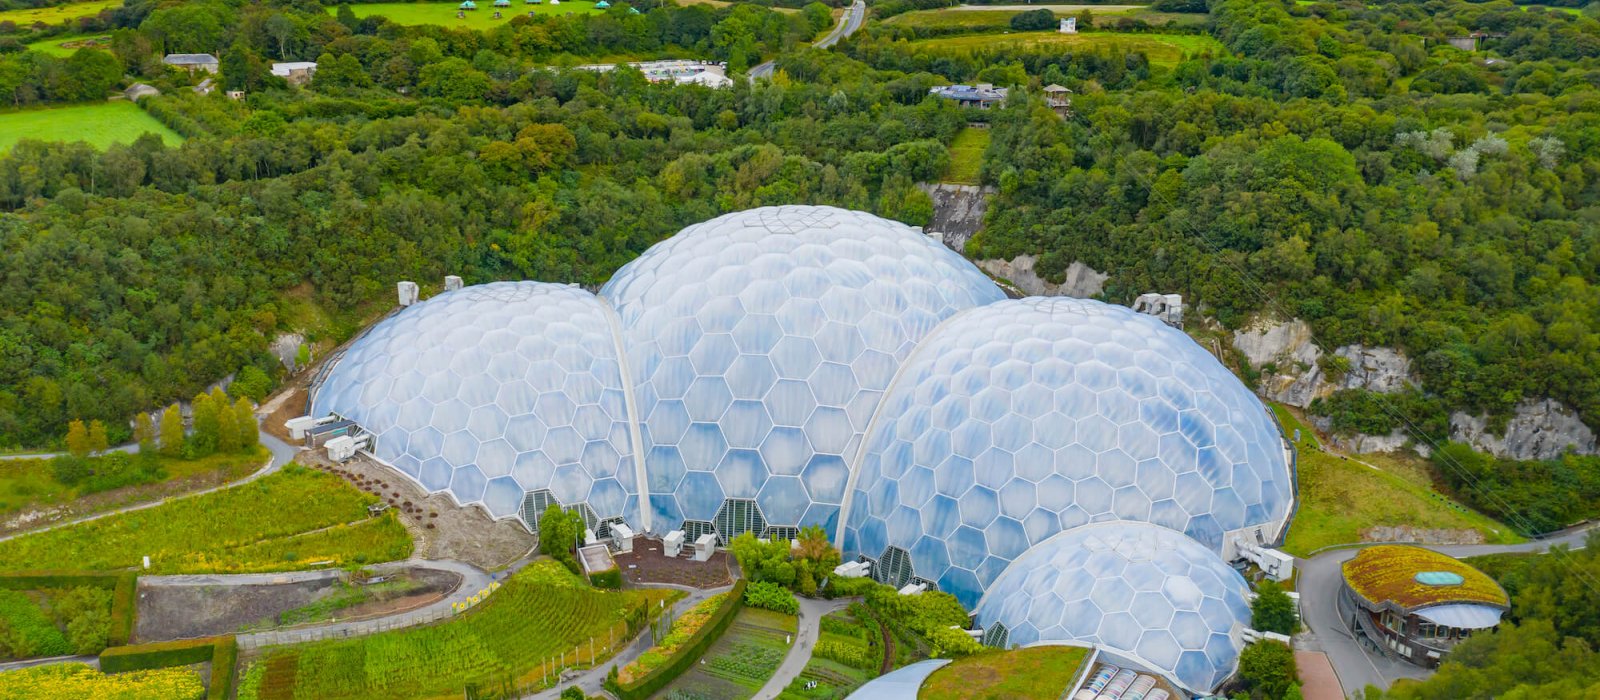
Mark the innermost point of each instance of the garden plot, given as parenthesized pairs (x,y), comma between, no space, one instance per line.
(741,661)
(849,652)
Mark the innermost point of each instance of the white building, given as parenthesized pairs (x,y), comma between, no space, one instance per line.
(296,72)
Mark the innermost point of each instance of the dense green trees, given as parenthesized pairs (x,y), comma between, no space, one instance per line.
(1273,610)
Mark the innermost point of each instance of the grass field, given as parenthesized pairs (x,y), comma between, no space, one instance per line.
(541,612)
(740,662)
(1163,49)
(989,18)
(63,46)
(1034,672)
(848,653)
(80,681)
(30,483)
(58,13)
(1340,497)
(444,13)
(966,156)
(100,124)
(279,522)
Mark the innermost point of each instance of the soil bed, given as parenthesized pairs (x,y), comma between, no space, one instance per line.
(646,565)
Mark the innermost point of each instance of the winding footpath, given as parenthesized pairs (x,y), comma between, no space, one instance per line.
(810,627)
(1355,665)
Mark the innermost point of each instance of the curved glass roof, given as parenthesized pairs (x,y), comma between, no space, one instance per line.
(1138,590)
(492,391)
(759,343)
(1023,418)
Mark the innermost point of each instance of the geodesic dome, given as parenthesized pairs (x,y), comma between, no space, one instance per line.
(759,344)
(1138,590)
(1024,418)
(495,391)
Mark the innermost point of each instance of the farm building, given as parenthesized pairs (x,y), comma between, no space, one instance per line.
(192,61)
(296,72)
(981,96)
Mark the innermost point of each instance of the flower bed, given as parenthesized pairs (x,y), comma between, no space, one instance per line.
(691,634)
(76,681)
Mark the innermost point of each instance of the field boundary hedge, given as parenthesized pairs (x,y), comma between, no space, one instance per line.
(222,652)
(689,652)
(122,584)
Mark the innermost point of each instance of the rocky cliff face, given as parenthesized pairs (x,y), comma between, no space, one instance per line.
(1541,429)
(957,212)
(1081,281)
(1291,369)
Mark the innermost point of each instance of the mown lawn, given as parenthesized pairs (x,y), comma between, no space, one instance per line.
(1341,497)
(541,612)
(100,124)
(1163,49)
(1034,672)
(58,13)
(66,45)
(444,13)
(283,521)
(966,156)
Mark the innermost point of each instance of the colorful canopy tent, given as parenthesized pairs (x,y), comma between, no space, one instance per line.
(602,5)
(633,10)
(467,5)
(502,3)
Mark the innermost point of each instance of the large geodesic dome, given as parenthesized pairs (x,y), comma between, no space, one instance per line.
(494,392)
(1024,418)
(759,344)
(1136,590)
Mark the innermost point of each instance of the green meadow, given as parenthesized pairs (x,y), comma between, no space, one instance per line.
(100,123)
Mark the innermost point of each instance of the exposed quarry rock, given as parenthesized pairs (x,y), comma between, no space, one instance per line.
(1081,280)
(1375,369)
(285,347)
(1296,378)
(1363,444)
(1421,536)
(957,212)
(1541,429)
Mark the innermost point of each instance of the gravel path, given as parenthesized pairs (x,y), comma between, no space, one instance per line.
(811,613)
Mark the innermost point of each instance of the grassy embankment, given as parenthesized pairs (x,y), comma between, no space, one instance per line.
(444,13)
(281,522)
(31,483)
(100,124)
(1339,498)
(1034,672)
(56,14)
(541,613)
(1163,49)
(966,156)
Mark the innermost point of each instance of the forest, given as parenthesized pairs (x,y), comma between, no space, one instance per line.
(1336,162)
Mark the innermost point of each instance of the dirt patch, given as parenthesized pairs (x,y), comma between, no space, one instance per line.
(645,564)
(183,612)
(440,528)
(290,403)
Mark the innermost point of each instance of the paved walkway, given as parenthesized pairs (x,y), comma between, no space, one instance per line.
(1319,581)
(810,626)
(591,681)
(91,661)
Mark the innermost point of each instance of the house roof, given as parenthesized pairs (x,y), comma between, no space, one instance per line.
(1414,577)
(189,59)
(969,92)
(283,69)
(1052,87)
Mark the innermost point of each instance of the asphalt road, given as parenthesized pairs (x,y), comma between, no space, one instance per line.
(848,24)
(1329,633)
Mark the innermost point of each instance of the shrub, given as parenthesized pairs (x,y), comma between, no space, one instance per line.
(224,657)
(25,631)
(610,579)
(771,596)
(841,587)
(1033,20)
(854,655)
(1273,609)
(1267,669)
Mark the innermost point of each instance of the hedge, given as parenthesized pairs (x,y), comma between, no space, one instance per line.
(140,657)
(688,653)
(609,579)
(124,587)
(224,657)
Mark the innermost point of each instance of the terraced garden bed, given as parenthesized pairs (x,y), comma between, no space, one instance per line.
(739,663)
